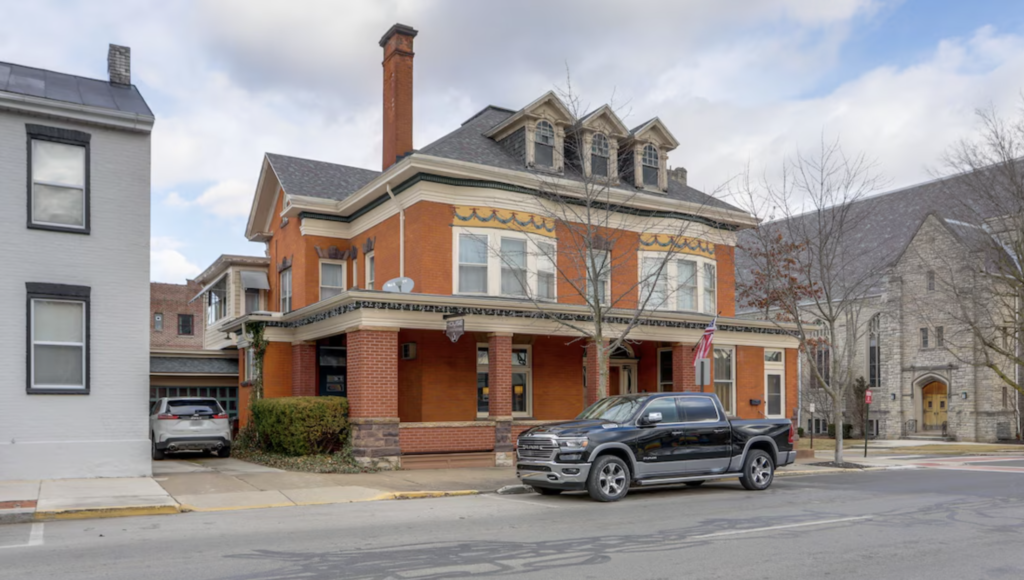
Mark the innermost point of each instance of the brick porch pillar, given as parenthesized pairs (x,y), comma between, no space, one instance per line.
(684,375)
(593,373)
(304,369)
(373,395)
(499,385)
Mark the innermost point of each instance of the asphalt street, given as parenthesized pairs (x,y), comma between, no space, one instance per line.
(911,524)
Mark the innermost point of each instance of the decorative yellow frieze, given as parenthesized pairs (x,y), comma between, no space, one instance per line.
(485,217)
(680,244)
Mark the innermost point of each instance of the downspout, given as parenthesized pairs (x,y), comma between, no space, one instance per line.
(799,389)
(401,232)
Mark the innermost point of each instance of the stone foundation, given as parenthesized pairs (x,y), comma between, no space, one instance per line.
(376,442)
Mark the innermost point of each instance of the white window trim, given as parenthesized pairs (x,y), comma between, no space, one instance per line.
(671,273)
(370,279)
(662,383)
(82,345)
(281,288)
(528,370)
(494,261)
(732,387)
(775,368)
(344,275)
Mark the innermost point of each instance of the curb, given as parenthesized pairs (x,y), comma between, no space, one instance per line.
(831,470)
(16,516)
(106,512)
(424,494)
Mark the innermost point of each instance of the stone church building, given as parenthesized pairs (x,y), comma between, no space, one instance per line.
(921,362)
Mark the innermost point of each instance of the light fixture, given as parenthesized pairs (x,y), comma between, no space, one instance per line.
(963,395)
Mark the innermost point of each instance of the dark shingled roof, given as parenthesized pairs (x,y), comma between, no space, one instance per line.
(468,143)
(34,82)
(888,222)
(310,178)
(196,365)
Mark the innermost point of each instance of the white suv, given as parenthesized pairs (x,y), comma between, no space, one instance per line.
(189,424)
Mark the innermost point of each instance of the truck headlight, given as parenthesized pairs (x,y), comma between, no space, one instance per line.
(580,443)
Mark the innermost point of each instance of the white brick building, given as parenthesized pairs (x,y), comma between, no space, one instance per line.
(74,294)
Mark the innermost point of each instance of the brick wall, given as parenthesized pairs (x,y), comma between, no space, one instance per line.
(170,300)
(304,370)
(725,256)
(499,375)
(446,439)
(440,383)
(792,384)
(428,247)
(557,378)
(372,373)
(684,374)
(749,381)
(277,370)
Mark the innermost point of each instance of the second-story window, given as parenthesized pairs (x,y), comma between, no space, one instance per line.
(286,290)
(599,273)
(472,264)
(332,279)
(217,301)
(599,153)
(545,271)
(710,299)
(686,277)
(185,324)
(654,283)
(371,270)
(252,300)
(650,165)
(513,267)
(544,145)
(58,196)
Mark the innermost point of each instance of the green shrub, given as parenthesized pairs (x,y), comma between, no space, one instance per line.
(800,432)
(847,430)
(301,425)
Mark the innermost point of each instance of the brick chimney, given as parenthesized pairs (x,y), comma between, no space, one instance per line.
(678,174)
(119,64)
(397,44)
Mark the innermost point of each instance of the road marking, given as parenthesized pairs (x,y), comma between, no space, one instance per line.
(35,538)
(782,527)
(502,498)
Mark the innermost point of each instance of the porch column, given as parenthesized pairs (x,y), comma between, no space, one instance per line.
(373,394)
(684,375)
(499,385)
(304,369)
(593,373)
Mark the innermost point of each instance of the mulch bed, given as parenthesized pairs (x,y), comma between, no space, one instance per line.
(325,463)
(843,465)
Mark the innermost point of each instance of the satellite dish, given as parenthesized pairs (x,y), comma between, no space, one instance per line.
(401,285)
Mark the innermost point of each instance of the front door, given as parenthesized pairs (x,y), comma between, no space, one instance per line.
(934,400)
(614,381)
(333,363)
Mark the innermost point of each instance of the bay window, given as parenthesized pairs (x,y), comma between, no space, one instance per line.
(499,262)
(513,267)
(473,264)
(653,282)
(685,283)
(686,278)
(58,339)
(710,300)
(545,271)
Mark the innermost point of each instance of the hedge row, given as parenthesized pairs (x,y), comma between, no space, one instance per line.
(301,425)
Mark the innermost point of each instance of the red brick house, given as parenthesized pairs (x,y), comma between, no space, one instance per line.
(334,234)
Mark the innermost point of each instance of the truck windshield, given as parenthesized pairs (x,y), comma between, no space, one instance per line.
(615,409)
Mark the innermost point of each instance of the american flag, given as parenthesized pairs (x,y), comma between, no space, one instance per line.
(703,348)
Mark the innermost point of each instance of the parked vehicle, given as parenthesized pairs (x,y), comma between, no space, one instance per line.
(189,424)
(652,439)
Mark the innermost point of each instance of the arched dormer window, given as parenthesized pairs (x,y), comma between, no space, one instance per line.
(599,154)
(650,165)
(544,145)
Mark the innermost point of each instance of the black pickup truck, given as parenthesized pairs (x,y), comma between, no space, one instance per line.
(652,439)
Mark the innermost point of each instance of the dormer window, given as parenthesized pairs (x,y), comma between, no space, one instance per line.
(650,165)
(599,154)
(544,145)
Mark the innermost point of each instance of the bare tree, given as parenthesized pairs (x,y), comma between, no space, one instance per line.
(805,272)
(982,288)
(602,227)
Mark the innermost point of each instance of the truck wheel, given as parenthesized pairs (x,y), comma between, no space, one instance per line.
(224,452)
(609,479)
(547,490)
(758,471)
(157,454)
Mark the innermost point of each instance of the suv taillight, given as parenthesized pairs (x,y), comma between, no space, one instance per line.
(167,417)
(791,433)
(221,416)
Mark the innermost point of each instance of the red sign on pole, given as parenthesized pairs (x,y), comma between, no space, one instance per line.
(867,396)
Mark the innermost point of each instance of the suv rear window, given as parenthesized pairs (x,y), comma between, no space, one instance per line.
(194,407)
(698,409)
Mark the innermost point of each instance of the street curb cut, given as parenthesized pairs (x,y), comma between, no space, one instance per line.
(424,494)
(106,512)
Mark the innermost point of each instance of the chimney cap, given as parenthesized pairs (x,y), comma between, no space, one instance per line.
(398,28)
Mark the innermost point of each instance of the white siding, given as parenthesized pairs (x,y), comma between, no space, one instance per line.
(104,433)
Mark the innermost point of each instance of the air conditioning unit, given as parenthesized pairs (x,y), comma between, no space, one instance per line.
(408,350)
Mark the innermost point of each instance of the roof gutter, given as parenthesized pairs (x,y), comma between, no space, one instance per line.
(84,113)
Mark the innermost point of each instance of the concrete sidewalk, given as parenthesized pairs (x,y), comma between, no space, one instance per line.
(212,484)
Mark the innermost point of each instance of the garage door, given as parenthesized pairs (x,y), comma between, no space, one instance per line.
(226,396)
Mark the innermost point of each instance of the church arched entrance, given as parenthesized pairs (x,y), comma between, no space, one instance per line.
(934,405)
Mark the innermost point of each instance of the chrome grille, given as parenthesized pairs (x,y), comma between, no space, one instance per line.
(528,448)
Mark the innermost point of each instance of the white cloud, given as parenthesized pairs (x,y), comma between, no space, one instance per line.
(167,263)
(228,199)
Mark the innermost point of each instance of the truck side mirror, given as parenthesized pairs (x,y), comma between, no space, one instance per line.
(652,418)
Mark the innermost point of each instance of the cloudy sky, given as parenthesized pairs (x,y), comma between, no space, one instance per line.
(737,81)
